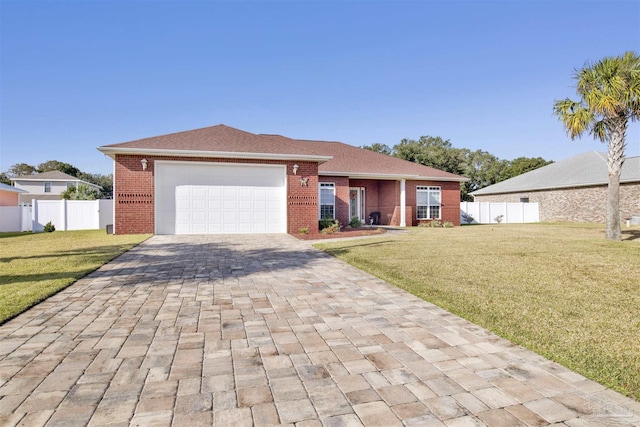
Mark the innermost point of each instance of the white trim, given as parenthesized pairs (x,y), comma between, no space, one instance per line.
(111,152)
(429,189)
(188,162)
(392,177)
(320,199)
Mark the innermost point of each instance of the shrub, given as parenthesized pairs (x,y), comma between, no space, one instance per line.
(499,218)
(48,227)
(325,222)
(355,222)
(334,227)
(447,224)
(435,224)
(304,230)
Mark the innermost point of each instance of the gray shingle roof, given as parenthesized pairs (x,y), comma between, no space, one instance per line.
(11,188)
(333,157)
(585,169)
(53,176)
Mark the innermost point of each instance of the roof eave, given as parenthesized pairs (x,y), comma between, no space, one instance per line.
(555,187)
(112,152)
(394,177)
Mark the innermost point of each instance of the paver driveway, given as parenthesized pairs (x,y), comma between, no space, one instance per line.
(241,330)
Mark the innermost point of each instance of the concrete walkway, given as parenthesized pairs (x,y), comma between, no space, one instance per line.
(264,330)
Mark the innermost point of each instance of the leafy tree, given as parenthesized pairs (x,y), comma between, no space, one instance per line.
(483,169)
(609,92)
(54,165)
(20,169)
(522,165)
(379,148)
(4,178)
(104,181)
(431,151)
(81,192)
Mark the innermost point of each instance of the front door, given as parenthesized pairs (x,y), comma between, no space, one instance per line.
(356,202)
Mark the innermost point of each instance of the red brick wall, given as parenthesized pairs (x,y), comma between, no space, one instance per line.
(135,197)
(134,193)
(302,200)
(384,196)
(450,203)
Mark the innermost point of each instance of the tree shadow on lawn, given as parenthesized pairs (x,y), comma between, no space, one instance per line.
(95,253)
(630,234)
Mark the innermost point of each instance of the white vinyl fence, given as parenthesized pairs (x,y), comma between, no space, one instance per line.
(63,214)
(493,213)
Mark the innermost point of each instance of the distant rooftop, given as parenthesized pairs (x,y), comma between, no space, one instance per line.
(586,169)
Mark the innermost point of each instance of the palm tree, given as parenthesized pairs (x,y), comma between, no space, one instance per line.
(610,98)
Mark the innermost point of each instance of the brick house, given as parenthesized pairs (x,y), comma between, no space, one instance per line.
(223,180)
(571,190)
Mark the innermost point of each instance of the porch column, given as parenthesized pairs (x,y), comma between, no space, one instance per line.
(403,202)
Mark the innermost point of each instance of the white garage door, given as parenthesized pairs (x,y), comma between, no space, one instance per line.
(207,198)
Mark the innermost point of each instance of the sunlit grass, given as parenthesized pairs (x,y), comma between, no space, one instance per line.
(561,290)
(34,266)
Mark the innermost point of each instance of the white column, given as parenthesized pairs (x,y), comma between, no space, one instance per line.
(403,202)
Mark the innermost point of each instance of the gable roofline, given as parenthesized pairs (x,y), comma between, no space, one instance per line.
(355,162)
(53,176)
(587,169)
(113,151)
(393,177)
(11,188)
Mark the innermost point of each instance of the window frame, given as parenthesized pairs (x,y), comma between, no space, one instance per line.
(47,186)
(326,186)
(429,190)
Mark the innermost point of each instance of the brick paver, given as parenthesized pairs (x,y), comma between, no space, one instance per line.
(266,330)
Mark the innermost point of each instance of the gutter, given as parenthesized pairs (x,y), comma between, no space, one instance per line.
(112,152)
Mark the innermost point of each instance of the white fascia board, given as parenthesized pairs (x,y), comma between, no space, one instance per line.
(391,176)
(111,152)
(556,187)
(79,181)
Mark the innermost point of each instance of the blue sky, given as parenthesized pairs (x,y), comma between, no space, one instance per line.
(75,75)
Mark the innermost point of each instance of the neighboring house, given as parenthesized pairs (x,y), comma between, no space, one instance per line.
(47,185)
(571,190)
(9,195)
(223,180)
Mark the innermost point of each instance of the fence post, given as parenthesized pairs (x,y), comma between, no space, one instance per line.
(63,207)
(34,214)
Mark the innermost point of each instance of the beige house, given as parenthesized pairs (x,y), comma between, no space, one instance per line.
(571,190)
(47,185)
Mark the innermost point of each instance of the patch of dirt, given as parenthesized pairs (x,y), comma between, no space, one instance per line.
(347,232)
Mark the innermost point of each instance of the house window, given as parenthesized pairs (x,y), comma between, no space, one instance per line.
(428,202)
(524,200)
(327,200)
(47,187)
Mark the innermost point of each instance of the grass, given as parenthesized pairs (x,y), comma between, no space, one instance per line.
(561,290)
(35,266)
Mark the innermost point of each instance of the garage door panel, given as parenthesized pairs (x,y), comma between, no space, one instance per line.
(219,198)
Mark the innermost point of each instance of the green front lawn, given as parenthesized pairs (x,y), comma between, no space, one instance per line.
(34,266)
(561,290)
